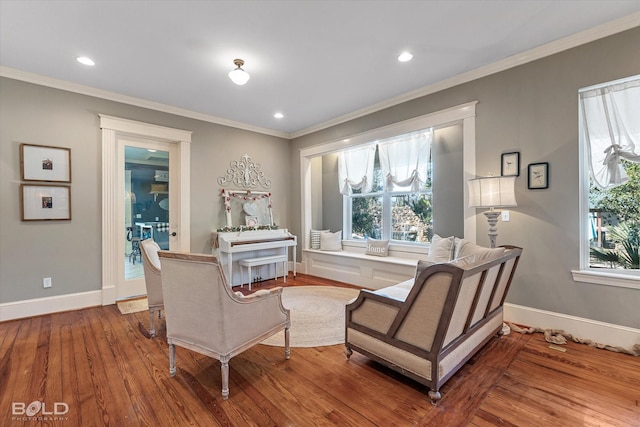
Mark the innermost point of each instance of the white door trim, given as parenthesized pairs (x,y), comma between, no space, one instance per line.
(112,129)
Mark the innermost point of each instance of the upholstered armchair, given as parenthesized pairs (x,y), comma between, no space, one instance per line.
(204,315)
(151,265)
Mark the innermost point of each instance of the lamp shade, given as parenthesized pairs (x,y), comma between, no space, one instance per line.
(238,75)
(492,192)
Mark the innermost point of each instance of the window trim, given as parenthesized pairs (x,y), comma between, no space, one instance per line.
(463,113)
(586,274)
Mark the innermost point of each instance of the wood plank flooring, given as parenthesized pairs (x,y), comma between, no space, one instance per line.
(102,366)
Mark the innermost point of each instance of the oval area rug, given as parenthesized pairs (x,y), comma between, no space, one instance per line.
(317,315)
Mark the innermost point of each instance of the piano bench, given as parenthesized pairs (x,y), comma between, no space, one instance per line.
(254,262)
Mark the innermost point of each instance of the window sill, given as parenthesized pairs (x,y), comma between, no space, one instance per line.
(623,279)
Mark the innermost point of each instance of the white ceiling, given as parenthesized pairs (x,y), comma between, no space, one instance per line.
(314,61)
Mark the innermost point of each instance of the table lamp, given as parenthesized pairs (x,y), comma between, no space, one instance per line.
(492,192)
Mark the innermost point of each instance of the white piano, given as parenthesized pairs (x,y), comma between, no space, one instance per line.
(234,246)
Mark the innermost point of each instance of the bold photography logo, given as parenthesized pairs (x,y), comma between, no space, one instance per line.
(38,409)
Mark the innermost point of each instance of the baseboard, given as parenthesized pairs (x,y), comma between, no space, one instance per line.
(40,306)
(579,327)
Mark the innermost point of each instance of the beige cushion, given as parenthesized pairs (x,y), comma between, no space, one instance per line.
(331,241)
(398,292)
(463,261)
(464,248)
(441,249)
(377,247)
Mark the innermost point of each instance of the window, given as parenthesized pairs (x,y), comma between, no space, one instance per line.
(610,145)
(453,153)
(388,194)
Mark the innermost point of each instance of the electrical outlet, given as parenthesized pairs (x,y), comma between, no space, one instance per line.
(505,216)
(46,282)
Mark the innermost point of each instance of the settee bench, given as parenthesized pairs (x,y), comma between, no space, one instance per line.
(428,327)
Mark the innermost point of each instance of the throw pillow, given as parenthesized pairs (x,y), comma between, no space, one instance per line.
(465,248)
(315,238)
(441,249)
(331,241)
(463,261)
(377,247)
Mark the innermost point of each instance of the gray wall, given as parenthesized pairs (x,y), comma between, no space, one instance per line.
(448,182)
(70,251)
(532,108)
(331,196)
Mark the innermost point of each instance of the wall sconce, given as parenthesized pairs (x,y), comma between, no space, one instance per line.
(492,192)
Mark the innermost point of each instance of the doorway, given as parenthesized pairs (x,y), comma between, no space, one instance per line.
(128,150)
(145,167)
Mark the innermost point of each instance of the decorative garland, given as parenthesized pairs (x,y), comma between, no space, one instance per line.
(247,228)
(248,196)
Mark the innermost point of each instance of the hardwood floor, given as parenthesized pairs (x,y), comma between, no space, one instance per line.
(100,364)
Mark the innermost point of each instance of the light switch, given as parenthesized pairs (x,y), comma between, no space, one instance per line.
(505,216)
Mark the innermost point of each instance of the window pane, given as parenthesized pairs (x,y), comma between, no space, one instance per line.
(614,223)
(366,217)
(412,217)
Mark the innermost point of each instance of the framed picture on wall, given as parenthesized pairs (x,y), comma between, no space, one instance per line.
(45,202)
(538,176)
(510,165)
(45,163)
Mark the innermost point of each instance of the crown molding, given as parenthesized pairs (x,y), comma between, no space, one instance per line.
(626,23)
(41,80)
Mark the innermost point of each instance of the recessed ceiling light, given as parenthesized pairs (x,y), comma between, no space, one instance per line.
(151,150)
(85,61)
(405,56)
(278,115)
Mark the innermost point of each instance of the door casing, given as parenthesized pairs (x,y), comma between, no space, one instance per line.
(113,130)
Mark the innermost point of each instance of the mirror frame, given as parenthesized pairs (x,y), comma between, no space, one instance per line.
(246,195)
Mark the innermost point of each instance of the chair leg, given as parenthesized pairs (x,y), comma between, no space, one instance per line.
(224,367)
(287,349)
(152,329)
(172,359)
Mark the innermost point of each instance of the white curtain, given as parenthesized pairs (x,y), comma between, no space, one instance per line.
(611,119)
(355,169)
(404,160)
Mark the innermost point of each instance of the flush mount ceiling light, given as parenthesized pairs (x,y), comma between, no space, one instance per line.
(238,75)
(278,115)
(85,60)
(405,56)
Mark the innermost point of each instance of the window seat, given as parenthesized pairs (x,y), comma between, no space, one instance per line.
(360,269)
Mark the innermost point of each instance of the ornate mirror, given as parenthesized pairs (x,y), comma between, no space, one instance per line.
(246,208)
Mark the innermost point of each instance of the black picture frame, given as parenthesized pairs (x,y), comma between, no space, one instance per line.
(510,164)
(538,176)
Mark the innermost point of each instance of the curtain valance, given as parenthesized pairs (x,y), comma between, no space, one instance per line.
(611,127)
(355,169)
(405,160)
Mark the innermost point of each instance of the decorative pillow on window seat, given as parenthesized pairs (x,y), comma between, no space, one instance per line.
(377,247)
(315,238)
(331,241)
